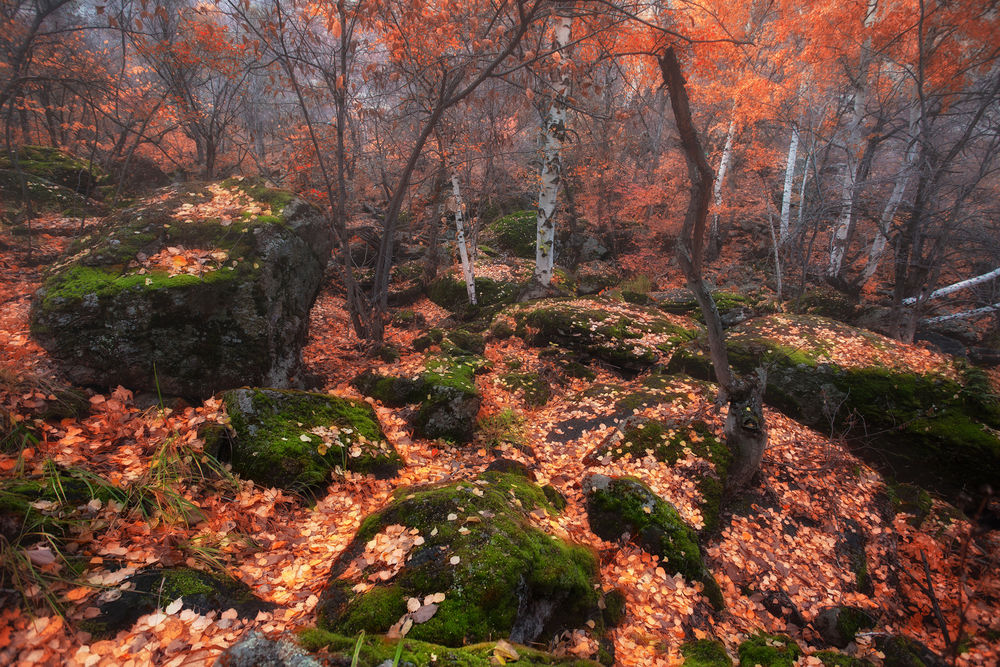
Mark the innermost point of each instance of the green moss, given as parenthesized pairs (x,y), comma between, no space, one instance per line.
(834,659)
(627,503)
(390,390)
(79,282)
(432,337)
(534,389)
(769,651)
(275,444)
(851,620)
(57,167)
(463,342)
(499,555)
(276,199)
(705,653)
(516,233)
(377,650)
(614,608)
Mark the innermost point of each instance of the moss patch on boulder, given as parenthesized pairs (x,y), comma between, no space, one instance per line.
(452,400)
(470,541)
(378,650)
(515,233)
(451,294)
(57,167)
(153,589)
(625,504)
(295,440)
(769,651)
(706,653)
(130,306)
(390,390)
(626,336)
(533,388)
(927,427)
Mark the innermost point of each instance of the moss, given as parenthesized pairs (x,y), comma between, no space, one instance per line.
(463,342)
(501,559)
(769,651)
(516,233)
(378,650)
(834,659)
(276,446)
(432,337)
(390,390)
(57,167)
(451,294)
(614,608)
(626,504)
(533,388)
(705,653)
(276,199)
(388,353)
(851,620)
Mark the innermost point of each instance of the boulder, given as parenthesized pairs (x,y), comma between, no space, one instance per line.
(148,590)
(925,426)
(198,289)
(384,652)
(256,650)
(626,336)
(57,167)
(769,651)
(903,651)
(459,564)
(838,625)
(294,439)
(515,234)
(451,405)
(625,506)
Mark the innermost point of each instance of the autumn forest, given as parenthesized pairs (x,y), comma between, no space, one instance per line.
(500,332)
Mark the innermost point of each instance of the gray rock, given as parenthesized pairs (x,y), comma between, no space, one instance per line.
(255,650)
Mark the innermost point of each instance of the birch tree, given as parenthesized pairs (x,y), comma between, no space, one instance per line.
(457,208)
(786,197)
(553,138)
(724,161)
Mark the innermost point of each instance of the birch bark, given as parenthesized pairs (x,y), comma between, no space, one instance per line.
(786,197)
(553,137)
(727,157)
(463,250)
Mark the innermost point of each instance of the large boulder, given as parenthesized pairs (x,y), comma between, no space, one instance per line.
(295,440)
(624,505)
(198,289)
(459,564)
(932,422)
(54,166)
(625,336)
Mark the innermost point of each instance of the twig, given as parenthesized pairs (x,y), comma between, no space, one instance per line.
(934,601)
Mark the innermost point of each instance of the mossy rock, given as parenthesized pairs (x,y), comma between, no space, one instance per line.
(294,440)
(827,302)
(45,195)
(614,608)
(625,505)
(682,302)
(432,337)
(533,388)
(375,650)
(834,659)
(923,427)
(838,625)
(769,651)
(452,400)
(390,390)
(451,294)
(152,589)
(516,233)
(595,277)
(616,335)
(58,167)
(903,651)
(462,342)
(501,577)
(109,318)
(706,653)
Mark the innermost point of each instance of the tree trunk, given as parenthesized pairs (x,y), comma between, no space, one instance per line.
(553,137)
(745,430)
(786,197)
(463,250)
(715,240)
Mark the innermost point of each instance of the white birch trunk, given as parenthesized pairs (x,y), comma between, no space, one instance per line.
(881,240)
(985,310)
(553,136)
(955,287)
(786,197)
(727,157)
(463,250)
(852,151)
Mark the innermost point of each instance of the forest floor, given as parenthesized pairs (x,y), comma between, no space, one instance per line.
(284,548)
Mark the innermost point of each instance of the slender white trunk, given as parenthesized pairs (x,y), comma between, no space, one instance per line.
(727,157)
(853,151)
(955,287)
(802,189)
(963,315)
(463,250)
(553,136)
(786,197)
(879,243)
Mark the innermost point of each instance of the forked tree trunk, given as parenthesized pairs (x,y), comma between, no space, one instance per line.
(745,429)
(553,137)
